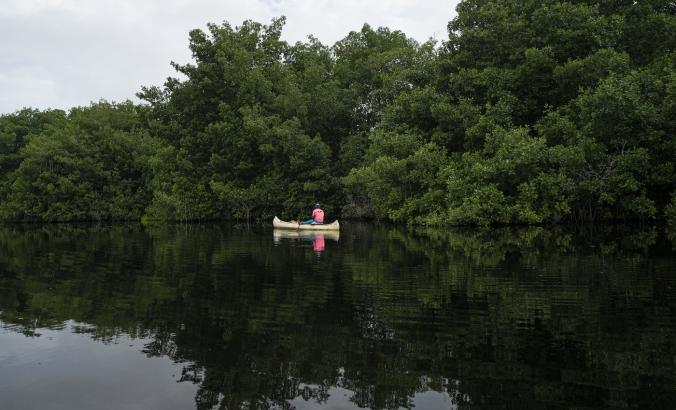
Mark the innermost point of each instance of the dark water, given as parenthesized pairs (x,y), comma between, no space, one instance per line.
(180,317)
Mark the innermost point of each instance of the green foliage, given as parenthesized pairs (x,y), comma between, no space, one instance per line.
(270,118)
(531,112)
(547,112)
(91,167)
(15,131)
(176,193)
(670,214)
(516,179)
(401,181)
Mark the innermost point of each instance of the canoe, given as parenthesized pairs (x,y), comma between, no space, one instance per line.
(279,224)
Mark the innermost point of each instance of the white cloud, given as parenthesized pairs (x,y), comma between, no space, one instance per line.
(62,53)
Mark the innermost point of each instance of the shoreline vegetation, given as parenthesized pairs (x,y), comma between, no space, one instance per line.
(529,113)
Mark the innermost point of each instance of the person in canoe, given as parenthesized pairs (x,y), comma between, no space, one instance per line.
(317,217)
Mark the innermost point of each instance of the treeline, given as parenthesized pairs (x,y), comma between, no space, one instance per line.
(530,112)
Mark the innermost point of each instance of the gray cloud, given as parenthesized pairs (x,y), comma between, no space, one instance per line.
(64,53)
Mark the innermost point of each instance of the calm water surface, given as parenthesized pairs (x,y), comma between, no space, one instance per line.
(211,316)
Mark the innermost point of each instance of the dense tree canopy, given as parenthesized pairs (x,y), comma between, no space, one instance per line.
(530,112)
(545,111)
(90,164)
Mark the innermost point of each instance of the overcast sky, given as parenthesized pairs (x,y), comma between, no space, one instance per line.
(64,53)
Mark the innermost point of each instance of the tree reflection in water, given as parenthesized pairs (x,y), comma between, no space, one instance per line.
(508,318)
(318,239)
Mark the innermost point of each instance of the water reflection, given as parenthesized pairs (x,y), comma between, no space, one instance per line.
(318,239)
(386,318)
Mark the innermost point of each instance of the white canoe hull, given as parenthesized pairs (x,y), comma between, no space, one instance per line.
(279,224)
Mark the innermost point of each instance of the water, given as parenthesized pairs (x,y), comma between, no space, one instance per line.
(211,316)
